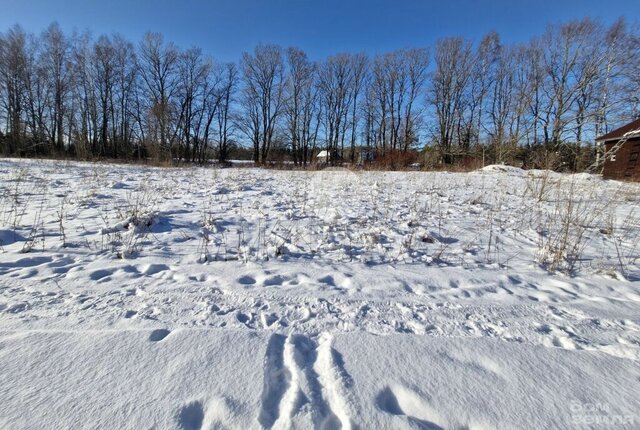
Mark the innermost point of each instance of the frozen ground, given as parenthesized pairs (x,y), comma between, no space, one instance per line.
(136,297)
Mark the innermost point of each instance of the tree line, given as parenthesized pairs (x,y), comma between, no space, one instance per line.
(539,103)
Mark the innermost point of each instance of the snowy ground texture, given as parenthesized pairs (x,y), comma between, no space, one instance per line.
(141,298)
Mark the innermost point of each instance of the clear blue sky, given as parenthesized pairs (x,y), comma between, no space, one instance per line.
(224,29)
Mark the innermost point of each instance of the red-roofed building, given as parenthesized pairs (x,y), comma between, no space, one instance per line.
(622,150)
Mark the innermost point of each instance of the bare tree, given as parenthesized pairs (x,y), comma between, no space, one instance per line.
(105,81)
(359,65)
(299,81)
(519,123)
(193,71)
(56,61)
(416,61)
(263,96)
(37,95)
(335,83)
(158,70)
(566,47)
(501,100)
(227,92)
(86,129)
(484,74)
(449,91)
(13,63)
(124,94)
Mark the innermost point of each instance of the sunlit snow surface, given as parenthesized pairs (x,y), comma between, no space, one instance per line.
(134,297)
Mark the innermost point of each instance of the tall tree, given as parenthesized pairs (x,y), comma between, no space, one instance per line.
(416,62)
(158,62)
(335,83)
(56,61)
(263,96)
(448,93)
(359,66)
(229,79)
(105,81)
(13,64)
(300,79)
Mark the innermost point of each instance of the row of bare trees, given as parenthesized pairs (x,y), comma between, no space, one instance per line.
(108,98)
(545,100)
(536,103)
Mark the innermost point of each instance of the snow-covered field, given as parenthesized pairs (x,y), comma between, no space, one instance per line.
(134,297)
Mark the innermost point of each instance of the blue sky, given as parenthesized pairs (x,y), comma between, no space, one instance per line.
(224,29)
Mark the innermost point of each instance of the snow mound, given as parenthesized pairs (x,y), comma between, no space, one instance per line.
(501,168)
(584,176)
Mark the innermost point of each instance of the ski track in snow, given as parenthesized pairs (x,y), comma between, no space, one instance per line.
(304,381)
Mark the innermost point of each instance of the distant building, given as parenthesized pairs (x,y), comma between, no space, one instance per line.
(322,157)
(326,157)
(621,152)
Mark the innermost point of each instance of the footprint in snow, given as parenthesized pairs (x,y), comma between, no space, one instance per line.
(328,280)
(191,416)
(246,280)
(159,334)
(274,281)
(244,318)
(403,402)
(100,274)
(268,319)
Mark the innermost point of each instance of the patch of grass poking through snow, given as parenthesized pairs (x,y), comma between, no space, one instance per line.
(564,233)
(136,215)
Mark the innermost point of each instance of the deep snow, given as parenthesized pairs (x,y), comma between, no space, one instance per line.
(135,297)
